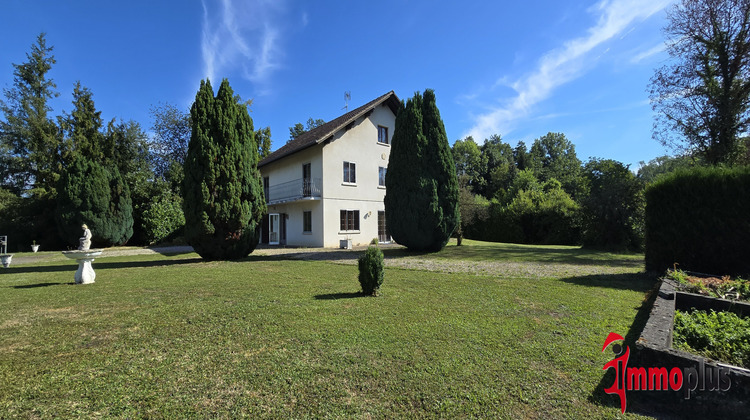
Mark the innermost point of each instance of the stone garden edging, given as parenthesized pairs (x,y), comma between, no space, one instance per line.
(654,349)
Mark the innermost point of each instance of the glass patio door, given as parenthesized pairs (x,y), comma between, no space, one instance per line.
(383,234)
(273,229)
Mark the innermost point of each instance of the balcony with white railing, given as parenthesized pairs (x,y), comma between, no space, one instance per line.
(299,189)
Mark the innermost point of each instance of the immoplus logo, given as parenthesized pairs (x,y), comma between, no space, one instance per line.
(703,378)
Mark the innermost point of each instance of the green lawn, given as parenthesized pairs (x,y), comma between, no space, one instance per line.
(557,254)
(173,336)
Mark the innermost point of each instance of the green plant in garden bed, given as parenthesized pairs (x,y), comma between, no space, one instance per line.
(725,287)
(723,336)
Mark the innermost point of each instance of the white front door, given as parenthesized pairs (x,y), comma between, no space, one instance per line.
(273,229)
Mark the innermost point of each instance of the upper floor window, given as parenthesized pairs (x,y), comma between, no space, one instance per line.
(381,176)
(382,134)
(350,172)
(266,188)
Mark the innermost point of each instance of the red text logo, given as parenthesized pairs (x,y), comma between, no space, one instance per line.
(687,379)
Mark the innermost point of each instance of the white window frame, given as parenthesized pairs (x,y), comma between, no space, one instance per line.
(352,173)
(383,170)
(384,130)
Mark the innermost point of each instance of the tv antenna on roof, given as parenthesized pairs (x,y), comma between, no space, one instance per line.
(347,98)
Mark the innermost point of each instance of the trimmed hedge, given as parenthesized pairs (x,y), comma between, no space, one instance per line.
(699,218)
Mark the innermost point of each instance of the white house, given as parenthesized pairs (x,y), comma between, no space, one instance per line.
(328,184)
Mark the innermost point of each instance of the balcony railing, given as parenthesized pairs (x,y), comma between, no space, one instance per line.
(298,189)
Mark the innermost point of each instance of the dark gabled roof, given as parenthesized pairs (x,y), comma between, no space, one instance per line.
(326,131)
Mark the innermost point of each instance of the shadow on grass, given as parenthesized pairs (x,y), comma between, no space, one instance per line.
(100,266)
(481,251)
(171,251)
(533,253)
(147,264)
(638,282)
(336,296)
(34,286)
(598,396)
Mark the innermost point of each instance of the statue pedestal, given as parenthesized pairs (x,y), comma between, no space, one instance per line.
(85,273)
(6,258)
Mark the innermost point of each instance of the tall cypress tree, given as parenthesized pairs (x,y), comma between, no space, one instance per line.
(421,201)
(222,190)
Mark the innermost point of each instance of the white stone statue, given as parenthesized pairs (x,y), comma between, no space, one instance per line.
(85,240)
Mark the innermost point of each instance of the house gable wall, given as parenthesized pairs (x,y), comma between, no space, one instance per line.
(356,143)
(359,144)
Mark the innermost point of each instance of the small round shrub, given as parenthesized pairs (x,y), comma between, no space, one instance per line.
(371,270)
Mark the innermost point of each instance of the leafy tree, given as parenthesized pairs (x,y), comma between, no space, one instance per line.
(613,209)
(745,148)
(702,98)
(163,218)
(525,181)
(169,144)
(473,210)
(298,129)
(521,156)
(656,167)
(544,214)
(553,156)
(263,138)
(223,191)
(498,167)
(126,147)
(421,201)
(29,138)
(468,159)
(92,194)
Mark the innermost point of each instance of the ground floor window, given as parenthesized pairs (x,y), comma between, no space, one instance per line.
(383,234)
(349,220)
(306,221)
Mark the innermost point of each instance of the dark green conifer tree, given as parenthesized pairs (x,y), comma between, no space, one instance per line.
(92,194)
(29,141)
(421,202)
(92,189)
(222,190)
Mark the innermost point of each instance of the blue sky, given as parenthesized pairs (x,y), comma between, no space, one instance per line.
(518,69)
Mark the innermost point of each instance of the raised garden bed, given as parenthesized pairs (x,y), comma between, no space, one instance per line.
(722,335)
(654,348)
(713,286)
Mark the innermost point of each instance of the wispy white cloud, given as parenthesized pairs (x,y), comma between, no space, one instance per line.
(564,64)
(656,49)
(242,36)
